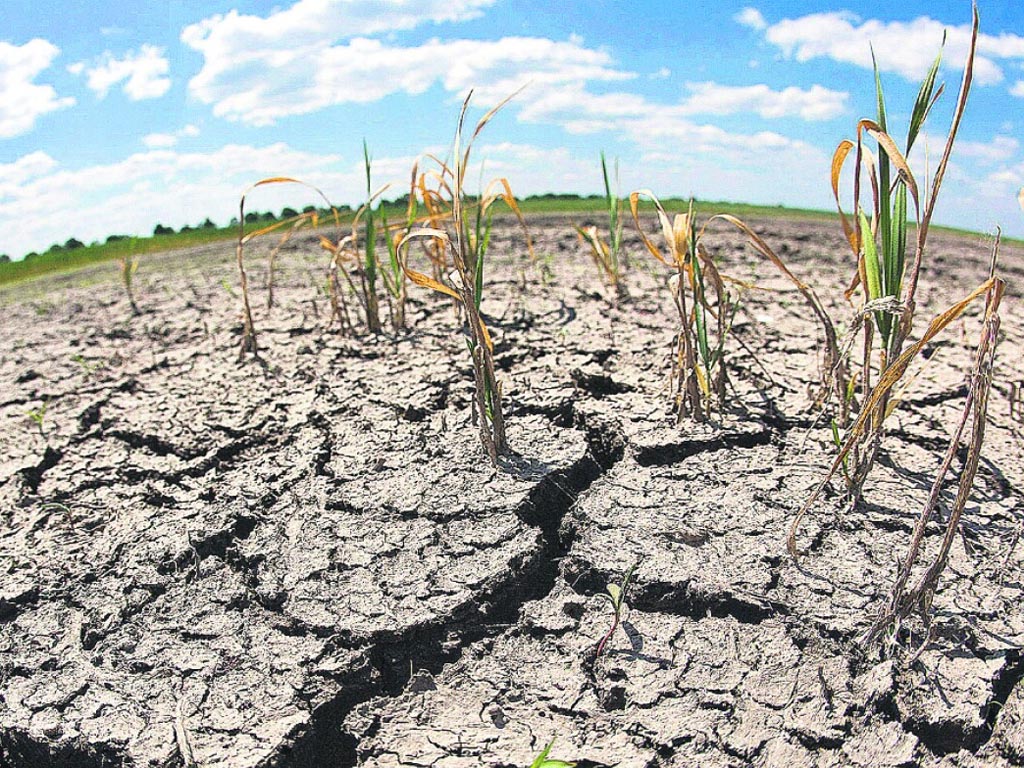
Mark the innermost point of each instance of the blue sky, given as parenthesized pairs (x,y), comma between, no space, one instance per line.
(117,115)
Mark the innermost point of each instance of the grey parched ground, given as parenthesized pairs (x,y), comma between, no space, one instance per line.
(307,560)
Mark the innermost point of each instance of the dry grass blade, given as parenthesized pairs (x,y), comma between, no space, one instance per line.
(838,159)
(870,409)
(249,344)
(297,222)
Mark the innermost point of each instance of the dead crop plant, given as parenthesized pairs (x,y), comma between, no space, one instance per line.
(706,301)
(459,235)
(249,343)
(129,264)
(351,255)
(904,602)
(878,239)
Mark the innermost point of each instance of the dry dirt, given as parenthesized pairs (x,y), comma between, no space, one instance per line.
(307,560)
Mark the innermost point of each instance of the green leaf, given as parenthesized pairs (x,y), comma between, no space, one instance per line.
(870,256)
(542,760)
(924,99)
(883,163)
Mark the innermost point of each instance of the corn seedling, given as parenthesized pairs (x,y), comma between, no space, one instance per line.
(706,307)
(394,277)
(368,273)
(348,258)
(129,263)
(38,416)
(606,253)
(543,761)
(465,247)
(879,243)
(616,596)
(249,344)
(87,368)
(904,602)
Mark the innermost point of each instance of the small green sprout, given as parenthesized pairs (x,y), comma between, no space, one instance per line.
(38,415)
(543,761)
(86,366)
(616,595)
(606,253)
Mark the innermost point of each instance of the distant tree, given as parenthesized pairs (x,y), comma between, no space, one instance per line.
(116,238)
(160,229)
(31,255)
(233,222)
(186,228)
(289,213)
(309,209)
(252,217)
(55,248)
(268,216)
(208,224)
(4,258)
(74,243)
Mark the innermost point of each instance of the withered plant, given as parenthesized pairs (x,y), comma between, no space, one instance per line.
(459,234)
(249,343)
(904,600)
(606,252)
(129,264)
(349,257)
(878,239)
(706,305)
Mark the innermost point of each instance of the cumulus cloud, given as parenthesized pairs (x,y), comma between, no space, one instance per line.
(905,48)
(364,70)
(167,186)
(1018,89)
(142,74)
(751,17)
(166,140)
(23,101)
(814,103)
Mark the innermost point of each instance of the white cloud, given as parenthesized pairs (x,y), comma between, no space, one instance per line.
(999,149)
(142,73)
(174,188)
(320,53)
(23,101)
(906,48)
(167,140)
(751,17)
(240,87)
(815,103)
(1018,89)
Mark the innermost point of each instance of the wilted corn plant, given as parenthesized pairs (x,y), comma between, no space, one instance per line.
(699,376)
(466,245)
(904,602)
(249,344)
(605,253)
(888,293)
(394,277)
(129,266)
(346,259)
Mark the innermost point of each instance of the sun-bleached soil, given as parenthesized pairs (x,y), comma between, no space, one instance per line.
(307,560)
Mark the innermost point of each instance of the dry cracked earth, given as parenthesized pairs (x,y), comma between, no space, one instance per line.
(307,560)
